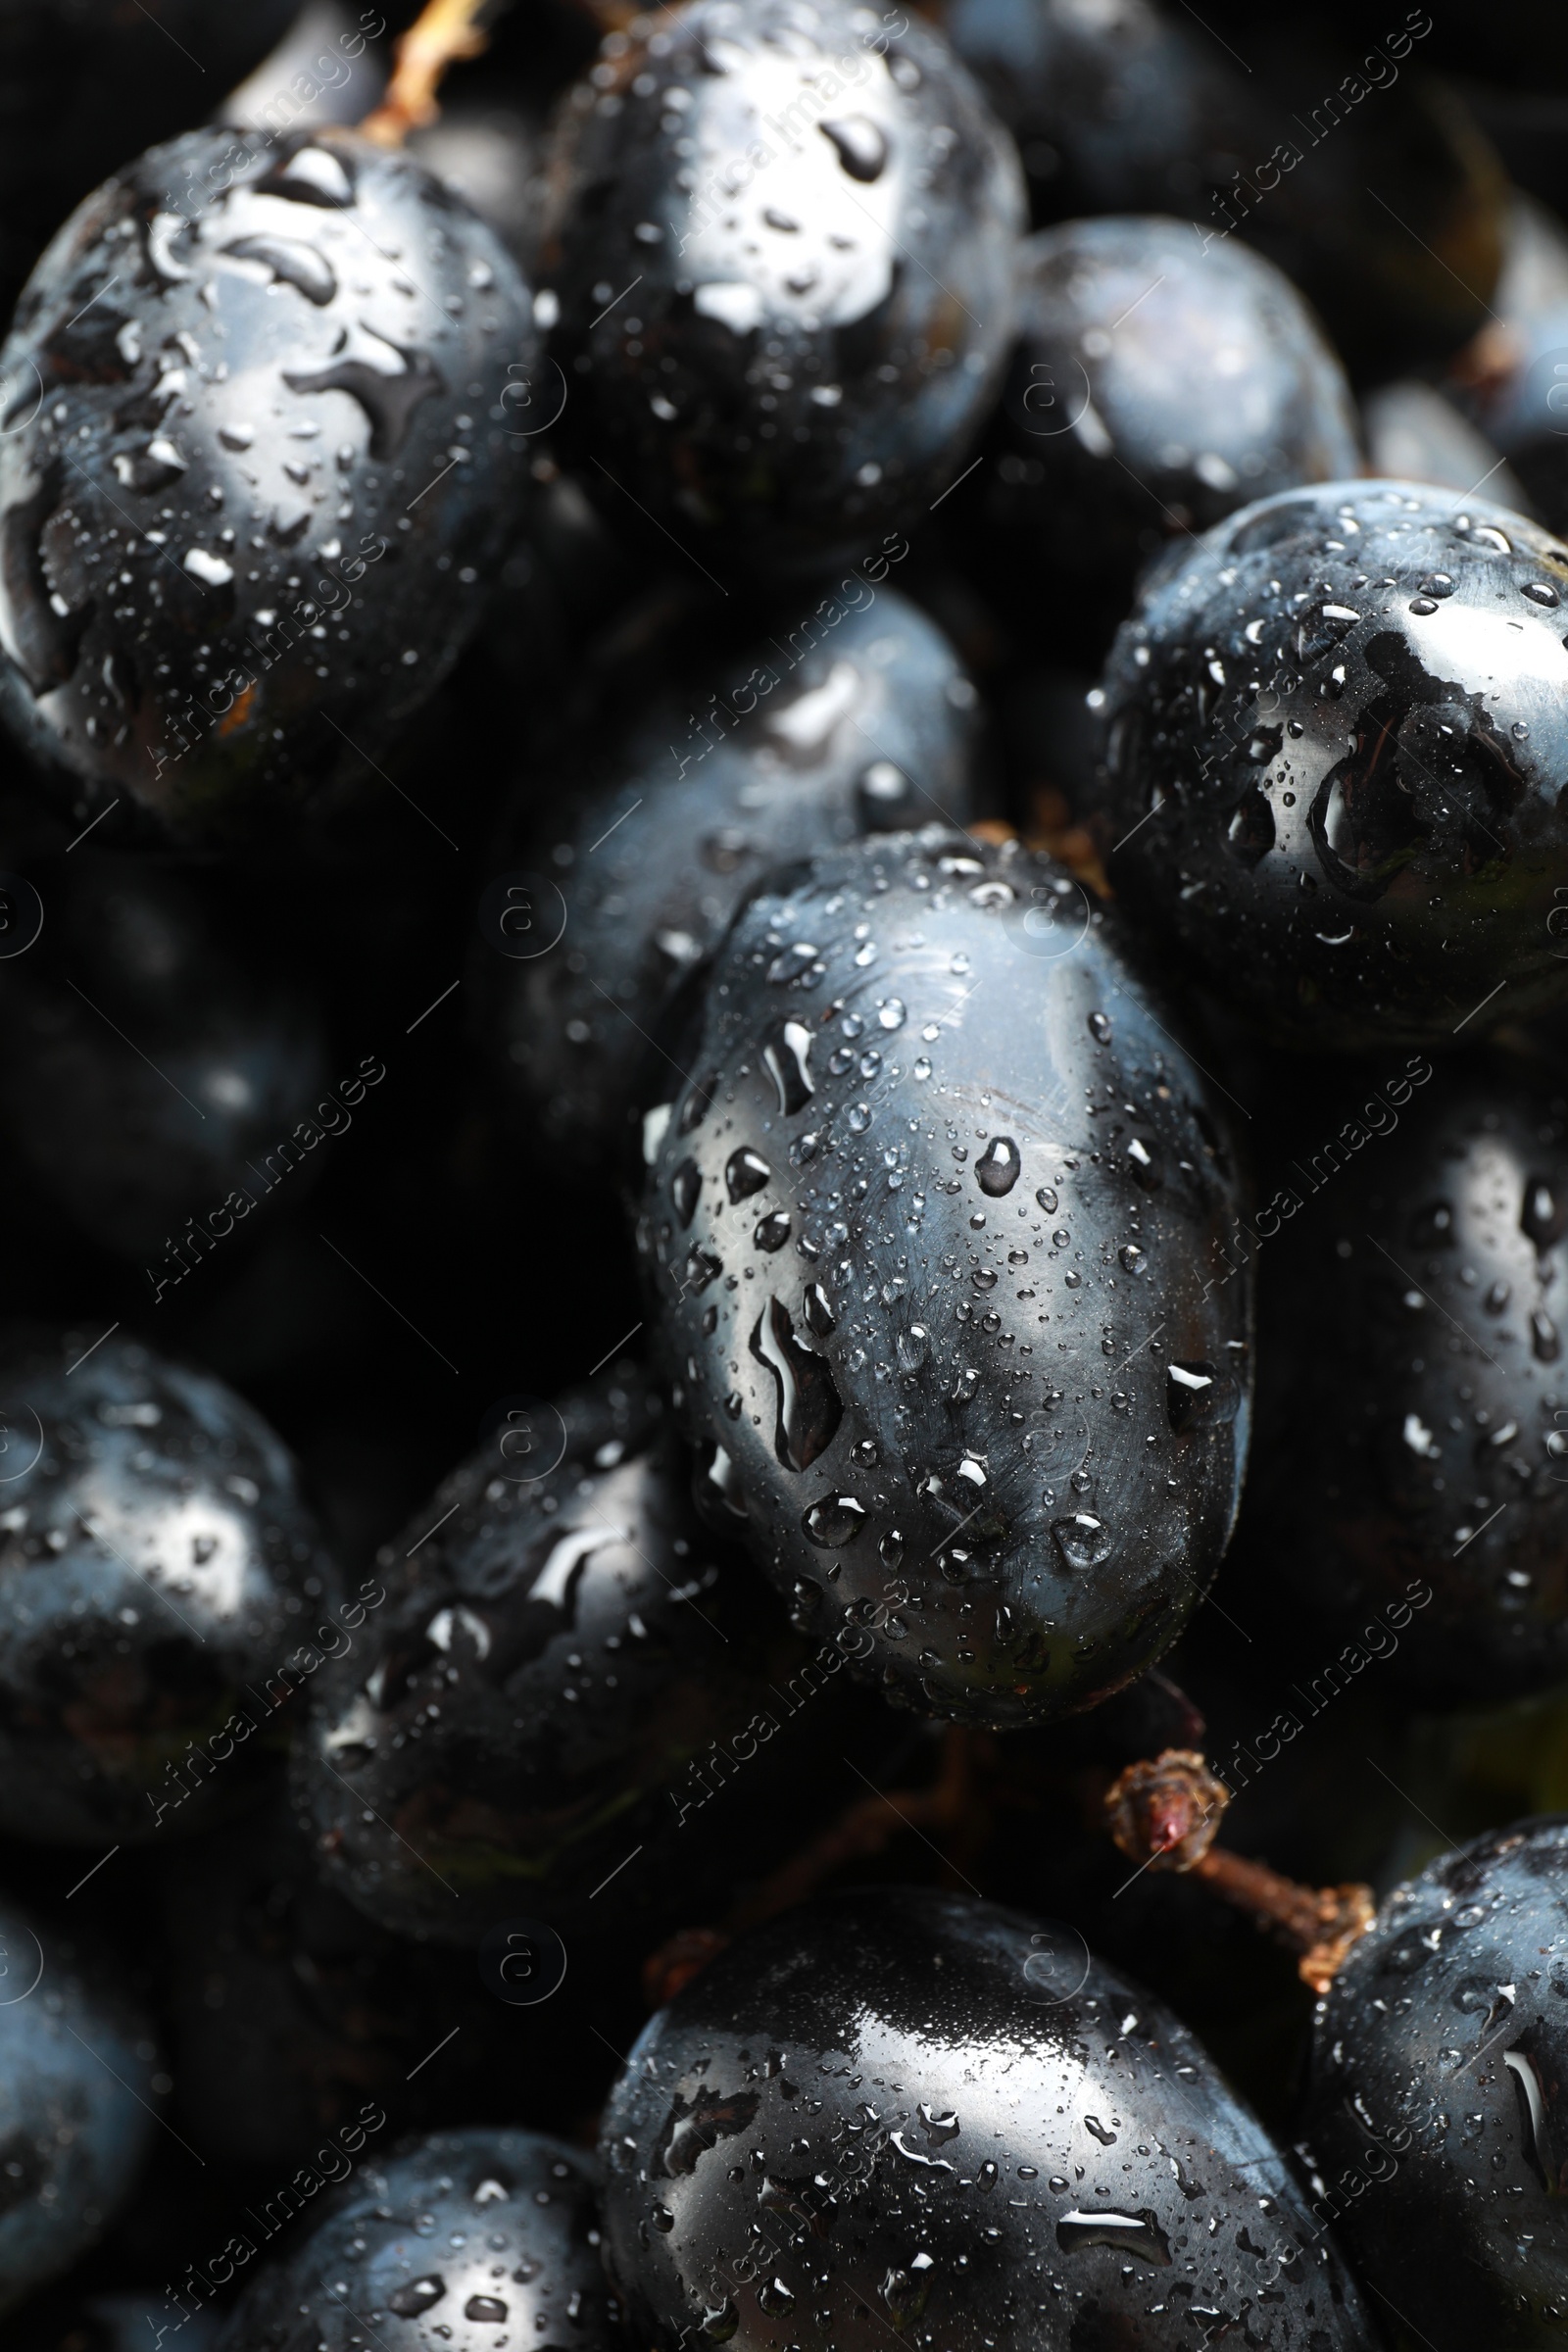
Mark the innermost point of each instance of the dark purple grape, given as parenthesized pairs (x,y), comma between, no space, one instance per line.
(1413,1437)
(257,464)
(443,2248)
(78,2081)
(156,1562)
(951,2120)
(578,1707)
(778,245)
(1155,389)
(1436,2110)
(1335,755)
(858,722)
(933,1242)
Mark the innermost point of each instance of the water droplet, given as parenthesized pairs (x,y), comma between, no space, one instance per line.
(211,571)
(893,1015)
(810,1407)
(1047,1198)
(922,1066)
(746,1172)
(1124,2233)
(819,1310)
(720,2321)
(1542,1218)
(1140,1160)
(1135,1260)
(785,1058)
(914,1347)
(663,2218)
(1422,605)
(1100,1027)
(1083,1541)
(1432,1226)
(773,1231)
(833,1521)
(792,962)
(859,144)
(388,394)
(415,2296)
(997,1166)
(984,1277)
(940,2124)
(775,2296)
(1199,1396)
(1540,592)
(486,2309)
(1544,1341)
(860,1117)
(717,1490)
(686,1189)
(890,1549)
(887,799)
(292,264)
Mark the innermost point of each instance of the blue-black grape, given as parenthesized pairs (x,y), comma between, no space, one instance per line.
(932,1244)
(778,246)
(257,463)
(578,1705)
(156,1560)
(1155,389)
(1434,2112)
(1336,759)
(76,2087)
(951,2117)
(456,2241)
(1411,1439)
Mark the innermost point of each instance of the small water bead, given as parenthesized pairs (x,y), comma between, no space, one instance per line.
(773,1231)
(1134,1259)
(998,1168)
(914,1347)
(1061,1239)
(893,1015)
(834,1522)
(922,1067)
(1100,1027)
(1047,1198)
(744,1172)
(859,1118)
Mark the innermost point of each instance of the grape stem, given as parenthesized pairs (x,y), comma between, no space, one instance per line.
(443,33)
(1164,1812)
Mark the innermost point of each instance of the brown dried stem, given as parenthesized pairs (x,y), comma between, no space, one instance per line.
(1164,1812)
(443,33)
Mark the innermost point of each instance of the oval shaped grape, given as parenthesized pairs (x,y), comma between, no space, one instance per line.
(1335,755)
(954,2118)
(257,457)
(578,1705)
(463,2237)
(156,1561)
(1435,2114)
(934,1244)
(779,241)
(1155,388)
(1413,1447)
(77,2111)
